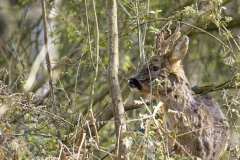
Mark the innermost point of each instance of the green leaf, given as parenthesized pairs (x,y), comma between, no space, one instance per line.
(156,82)
(102,42)
(151,12)
(153,29)
(237,84)
(27,116)
(207,84)
(237,76)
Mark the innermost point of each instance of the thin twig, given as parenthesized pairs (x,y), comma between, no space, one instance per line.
(97,57)
(207,34)
(88,34)
(49,67)
(95,128)
(65,19)
(80,147)
(124,9)
(140,46)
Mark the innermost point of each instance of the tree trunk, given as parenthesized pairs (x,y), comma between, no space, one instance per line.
(115,91)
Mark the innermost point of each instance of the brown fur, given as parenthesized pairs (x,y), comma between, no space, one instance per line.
(198,120)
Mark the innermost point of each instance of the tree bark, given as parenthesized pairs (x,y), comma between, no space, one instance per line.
(115,91)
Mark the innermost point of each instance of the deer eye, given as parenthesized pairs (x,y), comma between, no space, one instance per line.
(155,68)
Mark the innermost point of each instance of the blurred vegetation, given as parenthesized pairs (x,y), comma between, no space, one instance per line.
(27,128)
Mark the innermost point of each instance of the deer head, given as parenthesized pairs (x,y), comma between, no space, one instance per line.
(164,67)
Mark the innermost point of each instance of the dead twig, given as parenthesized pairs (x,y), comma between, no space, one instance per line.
(49,67)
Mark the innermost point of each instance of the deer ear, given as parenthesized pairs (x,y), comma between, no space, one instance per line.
(180,49)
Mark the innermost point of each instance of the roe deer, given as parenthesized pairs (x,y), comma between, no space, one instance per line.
(200,124)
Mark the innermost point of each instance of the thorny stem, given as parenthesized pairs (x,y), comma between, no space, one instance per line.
(95,128)
(141,61)
(24,17)
(145,33)
(80,147)
(125,10)
(88,34)
(49,67)
(65,19)
(207,34)
(232,38)
(76,81)
(225,29)
(97,57)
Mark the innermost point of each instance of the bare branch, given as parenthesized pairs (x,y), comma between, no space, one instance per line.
(115,91)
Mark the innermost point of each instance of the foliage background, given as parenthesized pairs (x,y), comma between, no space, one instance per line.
(27,127)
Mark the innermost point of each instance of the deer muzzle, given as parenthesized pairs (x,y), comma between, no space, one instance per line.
(134,84)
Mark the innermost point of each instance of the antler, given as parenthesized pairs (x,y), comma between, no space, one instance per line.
(161,45)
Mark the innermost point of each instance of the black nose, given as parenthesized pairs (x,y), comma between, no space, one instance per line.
(133,83)
(131,80)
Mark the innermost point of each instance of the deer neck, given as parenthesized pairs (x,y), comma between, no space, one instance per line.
(178,94)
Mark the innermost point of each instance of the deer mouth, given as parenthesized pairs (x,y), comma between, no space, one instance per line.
(134,84)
